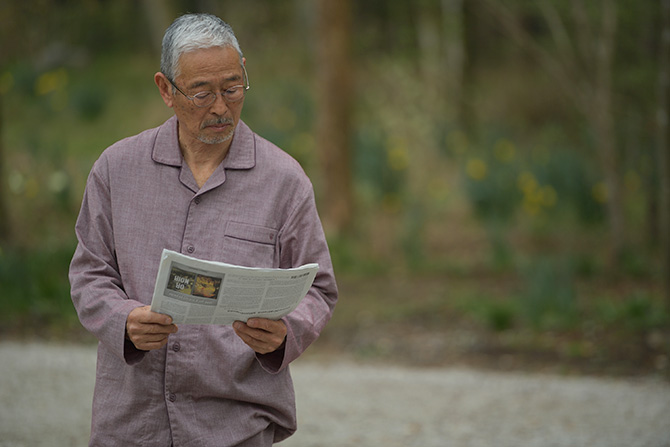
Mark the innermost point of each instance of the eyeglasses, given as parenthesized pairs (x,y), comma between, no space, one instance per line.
(206,98)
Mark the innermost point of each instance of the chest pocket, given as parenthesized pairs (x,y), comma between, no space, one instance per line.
(249,245)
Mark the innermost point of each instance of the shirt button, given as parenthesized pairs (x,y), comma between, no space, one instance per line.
(176,347)
(172,397)
(190,249)
(197,200)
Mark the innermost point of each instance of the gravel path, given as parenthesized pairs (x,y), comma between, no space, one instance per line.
(45,393)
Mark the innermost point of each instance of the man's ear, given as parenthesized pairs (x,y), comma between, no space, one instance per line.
(165,88)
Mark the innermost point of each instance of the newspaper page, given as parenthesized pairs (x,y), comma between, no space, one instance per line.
(193,291)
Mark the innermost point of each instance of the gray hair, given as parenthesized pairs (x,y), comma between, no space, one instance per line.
(194,32)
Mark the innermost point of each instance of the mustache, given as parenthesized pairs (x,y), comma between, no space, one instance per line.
(216,122)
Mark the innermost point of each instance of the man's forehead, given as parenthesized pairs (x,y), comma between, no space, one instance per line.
(210,64)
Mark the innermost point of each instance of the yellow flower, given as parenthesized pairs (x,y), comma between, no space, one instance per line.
(477,169)
(527,182)
(531,207)
(599,192)
(548,196)
(535,197)
(398,158)
(51,81)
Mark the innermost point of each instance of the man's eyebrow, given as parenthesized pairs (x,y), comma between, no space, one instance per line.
(234,78)
(198,84)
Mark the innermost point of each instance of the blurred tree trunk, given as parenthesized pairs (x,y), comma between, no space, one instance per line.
(603,120)
(664,146)
(466,114)
(582,66)
(4,211)
(459,26)
(335,90)
(429,43)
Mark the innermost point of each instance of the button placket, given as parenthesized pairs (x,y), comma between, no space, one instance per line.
(191,219)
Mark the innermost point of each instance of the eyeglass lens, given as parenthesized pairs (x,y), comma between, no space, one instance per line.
(203,99)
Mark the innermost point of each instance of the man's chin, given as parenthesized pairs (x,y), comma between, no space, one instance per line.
(216,139)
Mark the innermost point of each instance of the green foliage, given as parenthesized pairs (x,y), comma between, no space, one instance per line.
(574,183)
(506,180)
(281,110)
(412,239)
(372,169)
(348,259)
(491,189)
(638,311)
(35,288)
(496,315)
(635,265)
(89,100)
(502,256)
(548,298)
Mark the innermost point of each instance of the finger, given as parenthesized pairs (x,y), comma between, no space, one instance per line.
(147,342)
(151,344)
(256,345)
(246,334)
(259,340)
(142,320)
(150,332)
(160,328)
(259,323)
(157,329)
(151,317)
(251,333)
(275,327)
(147,339)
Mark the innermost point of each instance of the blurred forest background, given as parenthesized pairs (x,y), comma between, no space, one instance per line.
(493,175)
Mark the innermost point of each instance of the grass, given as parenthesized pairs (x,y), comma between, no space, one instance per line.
(35,298)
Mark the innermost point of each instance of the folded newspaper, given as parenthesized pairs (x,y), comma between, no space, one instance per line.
(193,291)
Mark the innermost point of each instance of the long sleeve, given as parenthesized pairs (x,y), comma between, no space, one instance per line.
(302,241)
(96,284)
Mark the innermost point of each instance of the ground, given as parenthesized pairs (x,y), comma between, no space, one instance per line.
(408,323)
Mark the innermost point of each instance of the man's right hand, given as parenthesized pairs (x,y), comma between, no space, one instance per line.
(148,330)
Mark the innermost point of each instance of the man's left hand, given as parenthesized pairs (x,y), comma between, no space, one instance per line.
(261,335)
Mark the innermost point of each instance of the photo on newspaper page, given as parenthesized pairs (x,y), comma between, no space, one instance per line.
(194,291)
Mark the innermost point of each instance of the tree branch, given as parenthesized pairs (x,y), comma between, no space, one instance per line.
(559,33)
(565,79)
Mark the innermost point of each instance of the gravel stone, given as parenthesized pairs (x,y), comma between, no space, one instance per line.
(46,389)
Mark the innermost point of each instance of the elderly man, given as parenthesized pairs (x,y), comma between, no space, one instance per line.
(205,185)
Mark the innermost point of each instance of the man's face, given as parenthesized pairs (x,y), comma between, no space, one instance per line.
(212,69)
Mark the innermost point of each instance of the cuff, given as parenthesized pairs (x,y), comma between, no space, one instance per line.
(272,362)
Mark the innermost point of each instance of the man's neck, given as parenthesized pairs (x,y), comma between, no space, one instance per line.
(203,159)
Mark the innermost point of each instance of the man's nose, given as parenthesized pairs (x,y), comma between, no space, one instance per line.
(219,106)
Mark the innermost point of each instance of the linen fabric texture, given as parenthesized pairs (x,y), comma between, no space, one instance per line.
(206,387)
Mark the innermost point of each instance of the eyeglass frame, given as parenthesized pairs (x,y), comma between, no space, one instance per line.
(245,86)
